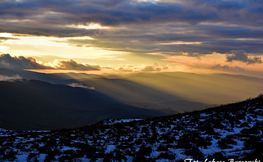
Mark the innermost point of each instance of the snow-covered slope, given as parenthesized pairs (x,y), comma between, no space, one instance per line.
(227,132)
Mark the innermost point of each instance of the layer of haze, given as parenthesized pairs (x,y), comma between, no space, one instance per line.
(177,91)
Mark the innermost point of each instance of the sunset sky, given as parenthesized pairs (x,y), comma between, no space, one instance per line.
(133,35)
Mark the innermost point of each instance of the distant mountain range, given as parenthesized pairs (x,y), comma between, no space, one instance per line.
(46,101)
(33,104)
(119,88)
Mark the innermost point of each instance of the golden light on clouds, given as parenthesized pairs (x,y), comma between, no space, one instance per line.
(213,63)
(205,60)
(3,48)
(42,47)
(89,26)
(5,35)
(133,35)
(28,45)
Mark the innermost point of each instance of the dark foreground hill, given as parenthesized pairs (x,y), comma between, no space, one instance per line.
(32,104)
(227,133)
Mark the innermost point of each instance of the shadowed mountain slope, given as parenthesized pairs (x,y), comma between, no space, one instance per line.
(120,89)
(32,104)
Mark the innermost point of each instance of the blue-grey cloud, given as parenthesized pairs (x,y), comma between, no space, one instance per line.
(230,5)
(149,44)
(240,55)
(119,12)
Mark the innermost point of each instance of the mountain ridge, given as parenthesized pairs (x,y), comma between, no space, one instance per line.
(34,104)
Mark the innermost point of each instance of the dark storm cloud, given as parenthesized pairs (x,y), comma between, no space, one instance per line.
(240,55)
(120,12)
(7,61)
(143,27)
(21,62)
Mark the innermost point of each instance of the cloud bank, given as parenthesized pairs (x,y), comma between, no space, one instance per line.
(21,62)
(163,31)
(142,27)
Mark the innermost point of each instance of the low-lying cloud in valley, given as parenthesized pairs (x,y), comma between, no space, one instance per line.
(10,78)
(81,86)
